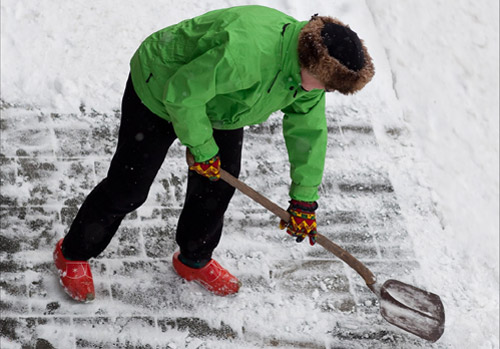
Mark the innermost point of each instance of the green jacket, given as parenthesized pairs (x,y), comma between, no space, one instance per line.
(232,68)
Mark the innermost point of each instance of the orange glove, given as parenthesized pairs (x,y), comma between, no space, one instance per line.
(209,168)
(302,222)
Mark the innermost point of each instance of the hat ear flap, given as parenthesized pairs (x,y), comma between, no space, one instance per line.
(310,44)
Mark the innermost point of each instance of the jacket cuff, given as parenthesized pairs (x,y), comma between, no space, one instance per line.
(206,151)
(304,205)
(302,193)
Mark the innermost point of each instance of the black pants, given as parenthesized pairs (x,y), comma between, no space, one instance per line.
(143,141)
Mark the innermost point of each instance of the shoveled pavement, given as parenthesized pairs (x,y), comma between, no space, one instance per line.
(293,295)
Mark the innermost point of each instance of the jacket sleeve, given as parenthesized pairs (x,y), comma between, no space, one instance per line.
(305,133)
(187,93)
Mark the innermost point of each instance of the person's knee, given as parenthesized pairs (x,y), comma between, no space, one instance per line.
(126,198)
(136,202)
(232,168)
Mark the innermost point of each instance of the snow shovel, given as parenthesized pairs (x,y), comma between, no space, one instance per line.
(405,306)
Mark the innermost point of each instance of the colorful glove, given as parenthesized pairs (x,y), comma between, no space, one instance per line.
(302,221)
(209,168)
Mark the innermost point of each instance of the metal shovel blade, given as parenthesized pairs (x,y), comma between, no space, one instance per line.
(412,309)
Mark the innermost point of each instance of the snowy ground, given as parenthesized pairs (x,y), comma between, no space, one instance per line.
(411,186)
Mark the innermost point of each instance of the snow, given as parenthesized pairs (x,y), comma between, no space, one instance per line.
(437,77)
(445,74)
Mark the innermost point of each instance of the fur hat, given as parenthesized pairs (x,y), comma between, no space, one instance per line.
(341,63)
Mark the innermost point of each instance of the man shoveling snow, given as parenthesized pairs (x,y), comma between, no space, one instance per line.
(202,81)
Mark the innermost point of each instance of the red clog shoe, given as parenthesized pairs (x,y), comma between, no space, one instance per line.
(212,276)
(75,276)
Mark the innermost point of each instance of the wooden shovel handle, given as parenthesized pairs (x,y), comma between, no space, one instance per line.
(329,245)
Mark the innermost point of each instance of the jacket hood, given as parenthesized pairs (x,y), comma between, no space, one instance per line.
(314,56)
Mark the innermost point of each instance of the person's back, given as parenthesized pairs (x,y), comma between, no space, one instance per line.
(240,49)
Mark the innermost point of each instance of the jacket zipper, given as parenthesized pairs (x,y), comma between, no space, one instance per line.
(281,56)
(274,80)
